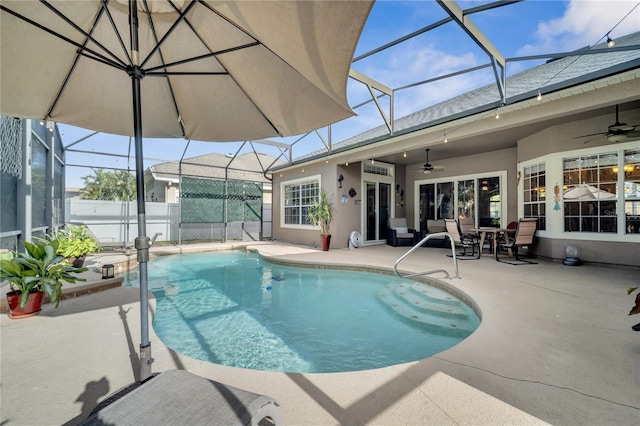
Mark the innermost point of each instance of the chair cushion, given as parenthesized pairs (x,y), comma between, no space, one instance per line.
(401,230)
(434,226)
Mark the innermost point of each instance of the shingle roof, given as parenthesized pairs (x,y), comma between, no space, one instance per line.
(248,167)
(551,76)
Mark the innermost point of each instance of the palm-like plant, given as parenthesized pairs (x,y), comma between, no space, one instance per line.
(39,269)
(321,213)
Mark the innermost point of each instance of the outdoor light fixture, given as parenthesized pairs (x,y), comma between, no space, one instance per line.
(539,97)
(405,154)
(497,115)
(610,41)
(340,179)
(107,271)
(372,161)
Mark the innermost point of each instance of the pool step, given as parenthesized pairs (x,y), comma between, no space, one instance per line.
(439,314)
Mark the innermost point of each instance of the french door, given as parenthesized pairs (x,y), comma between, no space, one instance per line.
(377,210)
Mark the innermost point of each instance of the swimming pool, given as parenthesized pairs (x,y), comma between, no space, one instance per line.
(235,309)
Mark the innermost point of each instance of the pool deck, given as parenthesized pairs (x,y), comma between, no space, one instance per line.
(555,346)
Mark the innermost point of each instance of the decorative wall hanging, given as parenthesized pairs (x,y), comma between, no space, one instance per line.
(556,197)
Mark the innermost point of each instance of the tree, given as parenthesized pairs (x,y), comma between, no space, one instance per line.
(117,185)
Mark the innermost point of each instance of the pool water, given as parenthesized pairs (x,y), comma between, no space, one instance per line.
(235,309)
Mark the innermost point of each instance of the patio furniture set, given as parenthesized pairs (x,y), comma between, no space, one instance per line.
(465,234)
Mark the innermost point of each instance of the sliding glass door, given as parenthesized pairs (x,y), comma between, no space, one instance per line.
(479,198)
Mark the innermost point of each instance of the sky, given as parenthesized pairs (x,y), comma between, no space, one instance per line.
(531,27)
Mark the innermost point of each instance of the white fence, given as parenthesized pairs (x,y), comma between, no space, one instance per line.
(117,222)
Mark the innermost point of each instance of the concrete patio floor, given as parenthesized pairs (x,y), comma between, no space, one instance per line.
(555,346)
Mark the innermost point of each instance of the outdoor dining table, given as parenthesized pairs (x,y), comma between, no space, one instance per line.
(484,231)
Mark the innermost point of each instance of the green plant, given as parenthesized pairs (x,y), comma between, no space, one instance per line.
(39,269)
(75,242)
(321,212)
(636,308)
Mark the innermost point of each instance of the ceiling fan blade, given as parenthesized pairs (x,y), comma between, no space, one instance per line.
(596,137)
(591,134)
(619,137)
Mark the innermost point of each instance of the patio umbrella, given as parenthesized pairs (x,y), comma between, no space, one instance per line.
(584,191)
(196,69)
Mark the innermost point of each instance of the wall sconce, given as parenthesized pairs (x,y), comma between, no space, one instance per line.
(107,271)
(340,179)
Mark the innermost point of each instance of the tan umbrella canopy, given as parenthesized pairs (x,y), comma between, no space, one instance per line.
(198,69)
(588,192)
(211,70)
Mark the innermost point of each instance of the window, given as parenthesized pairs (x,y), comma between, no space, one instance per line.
(297,197)
(631,170)
(589,193)
(535,193)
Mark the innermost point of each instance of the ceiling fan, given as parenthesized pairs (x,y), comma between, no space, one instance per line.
(428,167)
(616,132)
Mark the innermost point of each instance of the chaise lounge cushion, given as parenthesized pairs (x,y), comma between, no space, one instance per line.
(177,397)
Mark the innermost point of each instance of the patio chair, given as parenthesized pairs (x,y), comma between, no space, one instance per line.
(523,238)
(177,397)
(399,234)
(462,240)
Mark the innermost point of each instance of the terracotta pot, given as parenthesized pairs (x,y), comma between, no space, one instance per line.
(78,262)
(326,241)
(33,306)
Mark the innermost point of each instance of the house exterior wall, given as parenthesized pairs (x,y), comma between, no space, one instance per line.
(347,216)
(329,181)
(551,146)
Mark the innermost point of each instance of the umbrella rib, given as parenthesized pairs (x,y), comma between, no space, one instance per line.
(81,31)
(205,56)
(61,37)
(166,36)
(173,97)
(114,26)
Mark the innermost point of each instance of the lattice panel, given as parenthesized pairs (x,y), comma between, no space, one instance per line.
(201,200)
(11,146)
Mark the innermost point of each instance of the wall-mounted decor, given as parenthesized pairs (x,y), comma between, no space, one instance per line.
(352,193)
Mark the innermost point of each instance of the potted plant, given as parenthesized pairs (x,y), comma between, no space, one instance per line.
(75,244)
(32,275)
(320,214)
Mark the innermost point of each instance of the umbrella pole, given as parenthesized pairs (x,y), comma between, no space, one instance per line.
(142,241)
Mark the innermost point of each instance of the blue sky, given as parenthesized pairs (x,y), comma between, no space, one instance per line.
(528,28)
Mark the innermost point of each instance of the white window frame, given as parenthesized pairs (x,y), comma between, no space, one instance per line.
(306,179)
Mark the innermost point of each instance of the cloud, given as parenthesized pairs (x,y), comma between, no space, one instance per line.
(584,23)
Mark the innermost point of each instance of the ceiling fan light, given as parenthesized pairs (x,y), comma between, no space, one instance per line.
(616,138)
